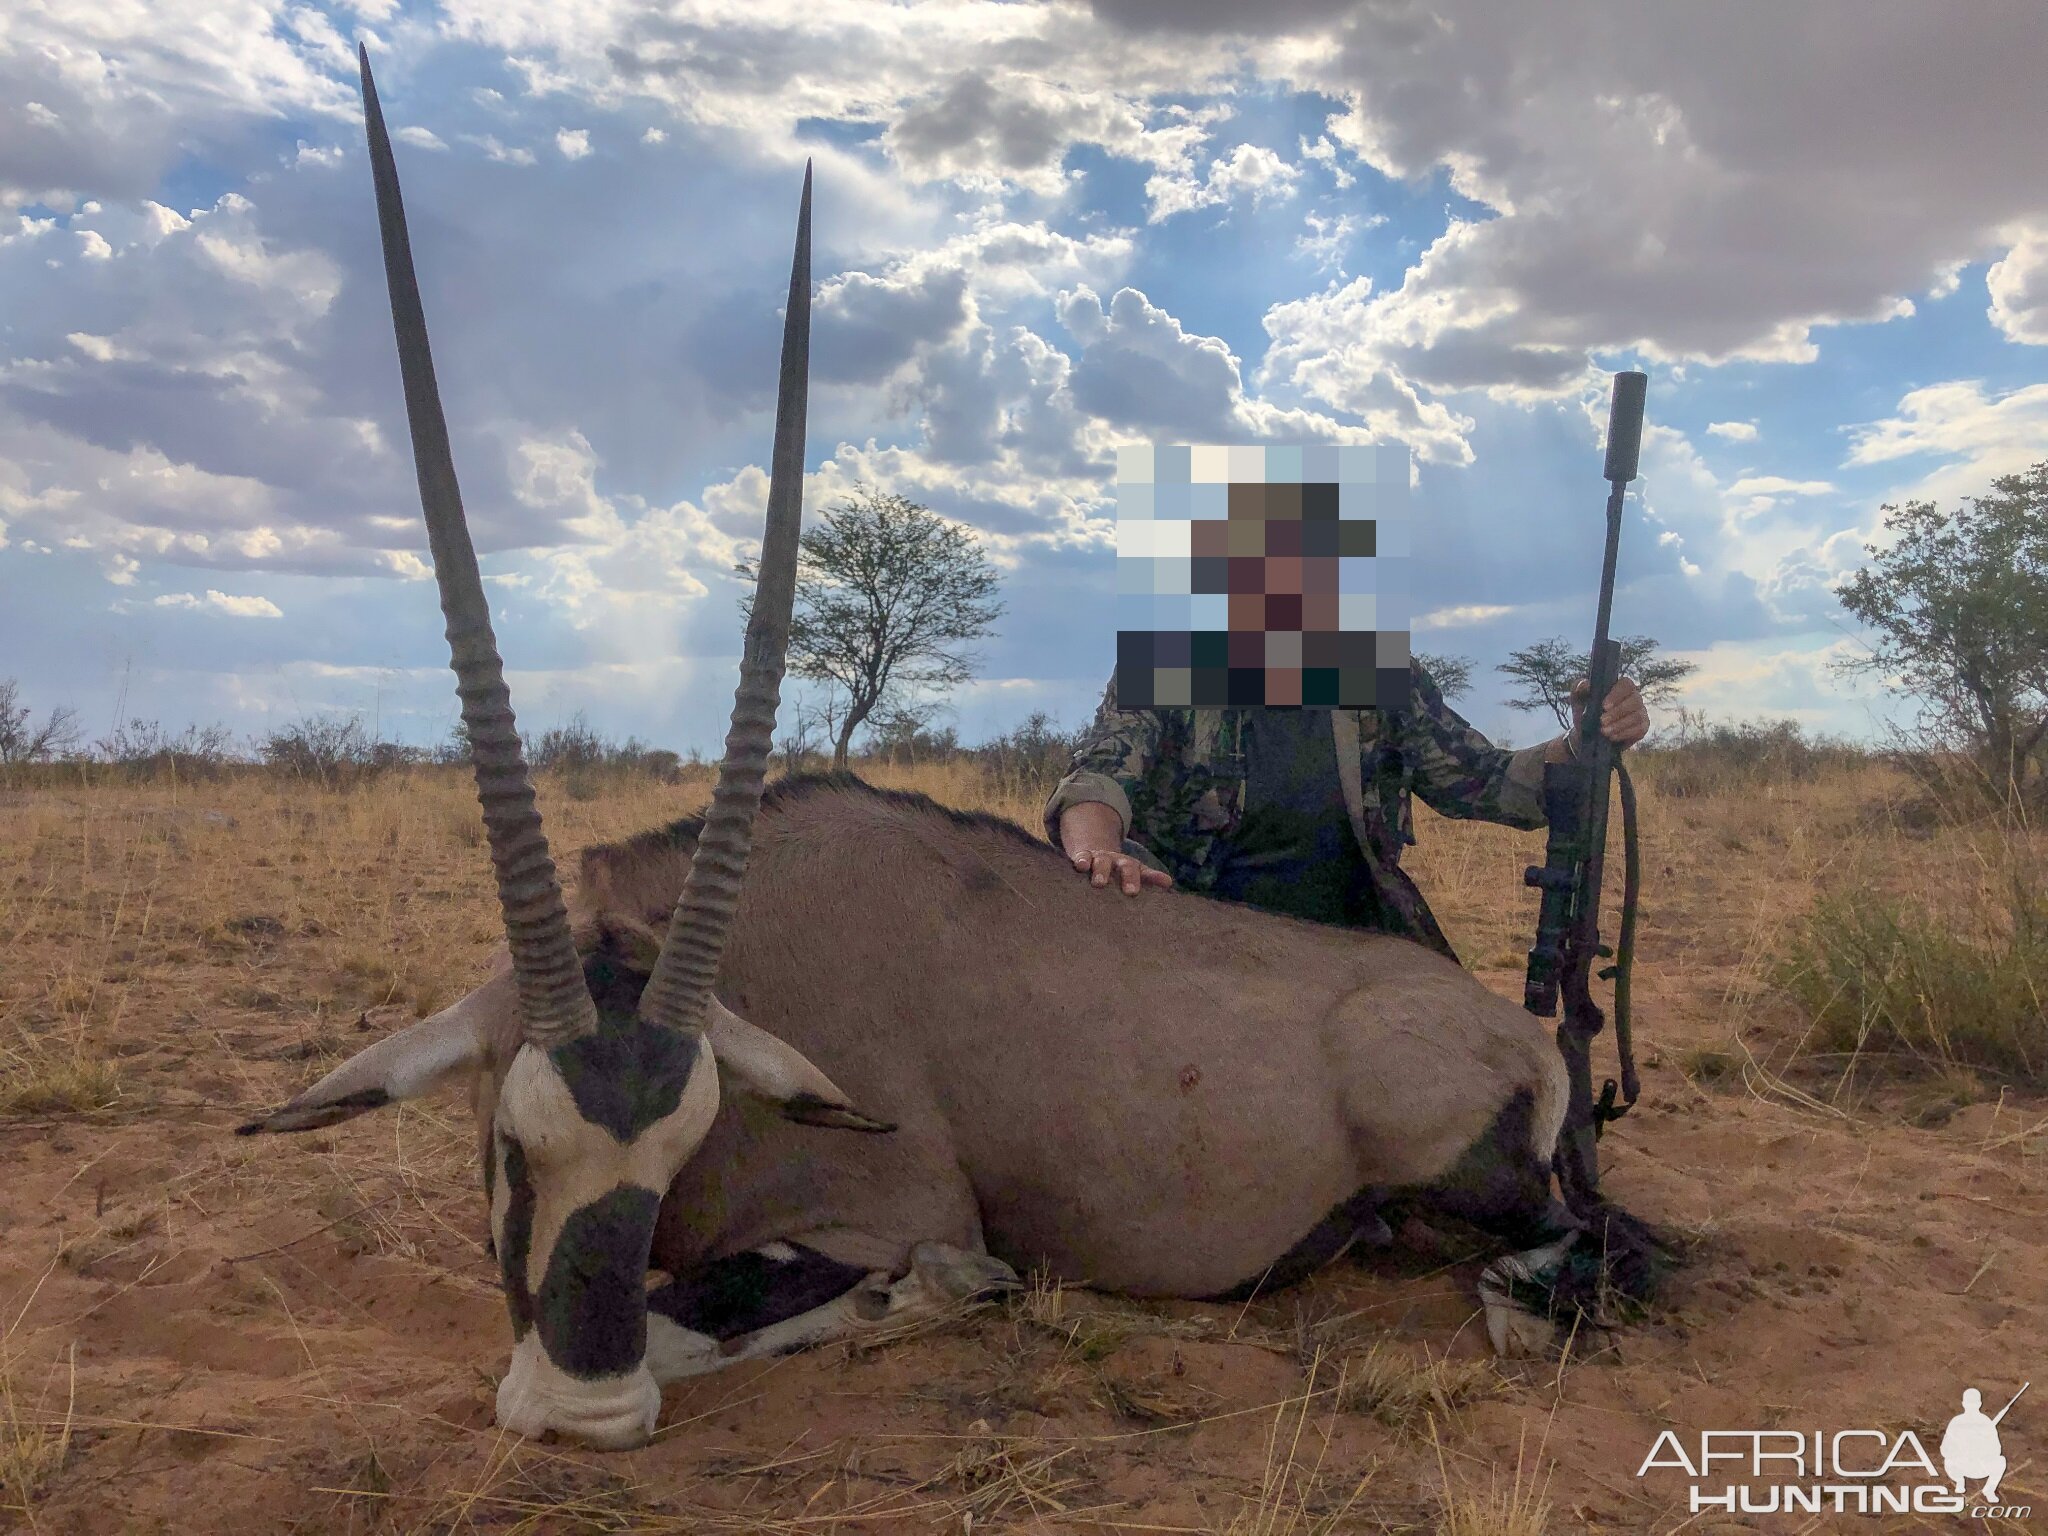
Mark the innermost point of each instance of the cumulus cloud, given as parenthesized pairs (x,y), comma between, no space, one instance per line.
(869,325)
(2018,286)
(222,602)
(1778,485)
(101,349)
(102,102)
(1953,418)
(1140,370)
(181,416)
(496,149)
(1980,435)
(1249,170)
(626,572)
(1743,190)
(1461,615)
(1324,153)
(984,333)
(981,95)
(1313,350)
(1325,242)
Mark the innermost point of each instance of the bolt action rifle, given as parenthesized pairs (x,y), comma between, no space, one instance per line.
(1575,798)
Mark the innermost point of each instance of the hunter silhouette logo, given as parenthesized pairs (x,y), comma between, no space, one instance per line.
(1970,1447)
(1844,1471)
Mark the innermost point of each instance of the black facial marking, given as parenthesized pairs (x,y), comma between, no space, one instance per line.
(751,1291)
(518,1238)
(1501,1184)
(1324,1242)
(592,1310)
(629,1074)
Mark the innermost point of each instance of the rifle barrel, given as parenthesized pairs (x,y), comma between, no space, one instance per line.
(2015,1398)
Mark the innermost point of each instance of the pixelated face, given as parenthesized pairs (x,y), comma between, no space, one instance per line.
(1261,576)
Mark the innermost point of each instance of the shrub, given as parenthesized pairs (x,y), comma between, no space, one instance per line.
(334,752)
(22,740)
(1701,757)
(588,760)
(1955,987)
(1034,756)
(143,749)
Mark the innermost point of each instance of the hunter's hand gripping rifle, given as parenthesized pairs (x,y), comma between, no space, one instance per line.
(1575,800)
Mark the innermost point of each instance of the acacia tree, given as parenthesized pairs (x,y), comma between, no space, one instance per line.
(21,739)
(1960,603)
(1451,674)
(887,595)
(1549,669)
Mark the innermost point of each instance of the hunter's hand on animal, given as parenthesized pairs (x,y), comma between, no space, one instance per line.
(1624,719)
(1092,837)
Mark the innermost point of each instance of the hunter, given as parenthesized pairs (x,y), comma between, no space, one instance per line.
(1300,811)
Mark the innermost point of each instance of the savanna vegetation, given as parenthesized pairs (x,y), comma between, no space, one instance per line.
(1844,1054)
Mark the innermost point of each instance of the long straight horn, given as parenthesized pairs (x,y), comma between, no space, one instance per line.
(680,988)
(553,1000)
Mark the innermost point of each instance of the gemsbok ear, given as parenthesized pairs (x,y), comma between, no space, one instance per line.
(443,1049)
(773,1070)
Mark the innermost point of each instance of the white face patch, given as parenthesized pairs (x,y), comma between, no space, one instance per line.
(574,1203)
(614,1414)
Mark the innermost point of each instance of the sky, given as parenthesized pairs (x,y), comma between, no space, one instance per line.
(1041,231)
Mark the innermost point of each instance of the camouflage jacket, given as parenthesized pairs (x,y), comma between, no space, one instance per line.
(1176,779)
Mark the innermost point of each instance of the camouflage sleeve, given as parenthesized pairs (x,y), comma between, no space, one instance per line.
(1121,746)
(1458,772)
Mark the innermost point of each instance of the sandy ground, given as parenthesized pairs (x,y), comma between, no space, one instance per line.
(211,1334)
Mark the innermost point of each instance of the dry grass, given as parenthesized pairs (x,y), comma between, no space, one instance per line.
(35,1438)
(1408,1393)
(1517,1506)
(173,956)
(40,1076)
(1297,1495)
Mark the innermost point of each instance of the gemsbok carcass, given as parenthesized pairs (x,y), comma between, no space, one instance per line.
(1167,1097)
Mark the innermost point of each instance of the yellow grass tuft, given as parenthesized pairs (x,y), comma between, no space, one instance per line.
(34,1440)
(39,1077)
(1410,1394)
(998,1479)
(1518,1507)
(1297,1496)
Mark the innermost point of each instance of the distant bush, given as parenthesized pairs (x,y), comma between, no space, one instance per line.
(1034,756)
(335,752)
(1939,988)
(143,749)
(908,737)
(1702,757)
(567,747)
(589,760)
(24,741)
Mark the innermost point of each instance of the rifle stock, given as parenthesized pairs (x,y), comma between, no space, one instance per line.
(1575,802)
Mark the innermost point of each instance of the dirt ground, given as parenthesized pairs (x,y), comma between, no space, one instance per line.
(210,1334)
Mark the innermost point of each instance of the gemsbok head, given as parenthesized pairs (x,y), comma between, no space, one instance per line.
(610,1086)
